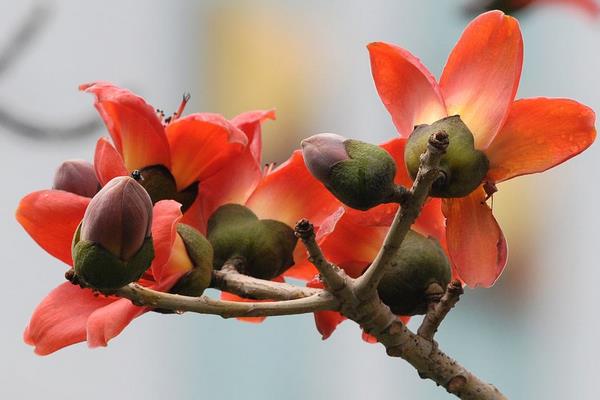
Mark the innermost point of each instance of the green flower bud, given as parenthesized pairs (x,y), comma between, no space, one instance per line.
(76,176)
(361,175)
(266,246)
(112,246)
(420,263)
(160,185)
(463,166)
(200,253)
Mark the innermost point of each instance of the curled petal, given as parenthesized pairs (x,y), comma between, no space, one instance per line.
(51,218)
(250,123)
(108,162)
(133,125)
(290,193)
(407,89)
(482,74)
(475,241)
(325,321)
(200,145)
(539,134)
(61,318)
(166,215)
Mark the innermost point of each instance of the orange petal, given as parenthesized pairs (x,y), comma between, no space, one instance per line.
(302,268)
(165,216)
(107,322)
(133,125)
(396,149)
(290,193)
(431,221)
(475,241)
(250,123)
(482,74)
(539,134)
(200,145)
(60,319)
(326,321)
(108,162)
(407,89)
(51,218)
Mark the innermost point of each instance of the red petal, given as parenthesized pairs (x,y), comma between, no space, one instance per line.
(250,123)
(482,74)
(539,134)
(60,319)
(475,241)
(290,193)
(200,145)
(51,218)
(407,89)
(302,268)
(165,216)
(396,149)
(107,322)
(108,162)
(327,322)
(136,130)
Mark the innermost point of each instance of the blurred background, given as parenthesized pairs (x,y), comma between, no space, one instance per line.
(535,334)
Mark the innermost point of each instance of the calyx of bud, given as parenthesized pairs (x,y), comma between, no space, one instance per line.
(420,263)
(361,175)
(160,185)
(113,246)
(76,176)
(200,253)
(265,246)
(463,167)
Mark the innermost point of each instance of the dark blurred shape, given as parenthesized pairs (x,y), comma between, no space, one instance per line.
(517,6)
(21,40)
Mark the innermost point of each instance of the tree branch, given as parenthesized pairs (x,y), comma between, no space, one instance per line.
(438,310)
(406,214)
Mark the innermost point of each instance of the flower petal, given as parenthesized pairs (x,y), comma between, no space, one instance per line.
(165,216)
(290,193)
(107,322)
(396,149)
(200,145)
(302,268)
(232,297)
(250,123)
(539,134)
(108,162)
(60,319)
(407,89)
(475,241)
(133,125)
(51,218)
(326,321)
(482,74)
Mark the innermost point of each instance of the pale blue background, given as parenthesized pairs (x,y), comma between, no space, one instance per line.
(537,341)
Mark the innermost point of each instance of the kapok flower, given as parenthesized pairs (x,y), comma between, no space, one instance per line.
(591,7)
(169,157)
(520,137)
(70,314)
(351,239)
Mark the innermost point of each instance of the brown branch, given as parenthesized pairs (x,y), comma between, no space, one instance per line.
(406,215)
(230,280)
(438,310)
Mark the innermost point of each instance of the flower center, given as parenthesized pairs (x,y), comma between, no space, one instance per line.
(160,185)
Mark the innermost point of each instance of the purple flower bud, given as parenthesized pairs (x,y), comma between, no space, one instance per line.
(119,217)
(321,152)
(76,176)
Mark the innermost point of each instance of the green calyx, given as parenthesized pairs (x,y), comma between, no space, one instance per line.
(100,269)
(265,246)
(160,185)
(201,253)
(463,166)
(366,179)
(420,263)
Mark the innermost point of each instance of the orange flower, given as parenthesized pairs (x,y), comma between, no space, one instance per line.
(520,137)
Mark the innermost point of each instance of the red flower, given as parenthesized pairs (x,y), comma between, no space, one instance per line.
(351,239)
(520,137)
(70,314)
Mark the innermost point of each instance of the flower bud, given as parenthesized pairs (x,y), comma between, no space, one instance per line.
(76,176)
(420,263)
(265,246)
(200,253)
(463,167)
(160,185)
(361,175)
(112,246)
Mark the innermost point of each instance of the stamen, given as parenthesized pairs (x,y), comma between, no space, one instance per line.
(184,101)
(489,188)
